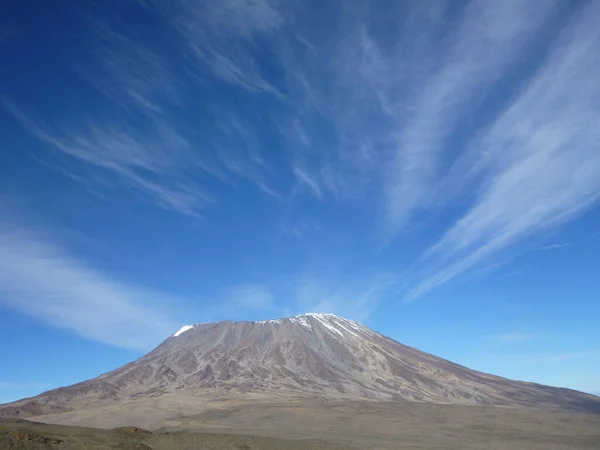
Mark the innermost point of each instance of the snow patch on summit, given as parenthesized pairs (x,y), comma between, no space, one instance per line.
(333,323)
(301,320)
(183,329)
(326,321)
(339,324)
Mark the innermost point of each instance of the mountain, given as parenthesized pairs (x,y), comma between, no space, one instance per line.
(318,356)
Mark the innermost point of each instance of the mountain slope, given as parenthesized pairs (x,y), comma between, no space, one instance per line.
(313,355)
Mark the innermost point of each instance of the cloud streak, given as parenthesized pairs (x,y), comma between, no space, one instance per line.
(254,297)
(41,280)
(155,164)
(482,112)
(355,300)
(131,71)
(490,39)
(554,246)
(559,357)
(514,337)
(540,158)
(141,140)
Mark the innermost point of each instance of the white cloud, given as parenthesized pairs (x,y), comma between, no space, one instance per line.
(239,154)
(289,296)
(300,228)
(554,246)
(222,36)
(513,337)
(390,107)
(139,140)
(559,357)
(39,279)
(372,108)
(156,164)
(252,297)
(490,39)
(131,71)
(355,299)
(304,179)
(539,159)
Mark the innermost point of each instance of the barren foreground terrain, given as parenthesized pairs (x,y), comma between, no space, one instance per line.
(16,434)
(336,424)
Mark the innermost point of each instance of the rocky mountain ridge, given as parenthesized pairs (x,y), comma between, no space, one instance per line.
(312,355)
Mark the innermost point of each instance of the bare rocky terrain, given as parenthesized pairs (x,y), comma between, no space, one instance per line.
(318,376)
(321,425)
(21,434)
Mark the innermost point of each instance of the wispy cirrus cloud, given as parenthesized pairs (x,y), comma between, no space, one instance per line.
(155,164)
(489,40)
(513,337)
(481,111)
(39,279)
(145,139)
(224,36)
(394,107)
(256,297)
(538,160)
(299,295)
(355,300)
(554,246)
(131,71)
(559,357)
(300,228)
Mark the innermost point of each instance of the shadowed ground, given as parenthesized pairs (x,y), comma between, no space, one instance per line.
(21,434)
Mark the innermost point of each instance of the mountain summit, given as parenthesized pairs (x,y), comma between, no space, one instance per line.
(311,355)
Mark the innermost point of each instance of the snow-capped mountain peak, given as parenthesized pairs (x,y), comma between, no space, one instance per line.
(311,355)
(333,323)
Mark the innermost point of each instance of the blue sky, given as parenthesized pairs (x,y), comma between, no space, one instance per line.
(431,169)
